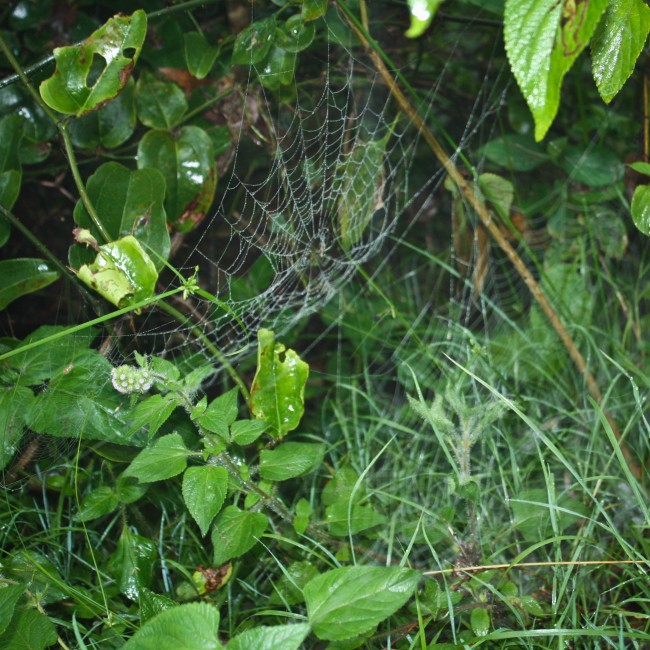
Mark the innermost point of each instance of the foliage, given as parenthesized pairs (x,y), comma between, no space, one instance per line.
(207,503)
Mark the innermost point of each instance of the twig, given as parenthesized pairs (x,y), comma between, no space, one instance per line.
(481,210)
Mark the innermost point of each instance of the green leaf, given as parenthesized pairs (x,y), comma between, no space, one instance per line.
(349,601)
(480,621)
(313,9)
(543,38)
(303,512)
(290,459)
(28,630)
(278,69)
(25,275)
(98,503)
(596,167)
(151,604)
(28,14)
(360,184)
(641,167)
(518,153)
(128,489)
(199,54)
(160,104)
(128,202)
(186,160)
(640,208)
(277,392)
(271,637)
(422,13)
(341,488)
(122,272)
(344,520)
(235,532)
(9,596)
(295,35)
(11,135)
(108,127)
(498,191)
(254,42)
(221,413)
(151,413)
(5,228)
(194,626)
(288,589)
(132,563)
(245,432)
(76,404)
(77,86)
(204,491)
(617,43)
(165,458)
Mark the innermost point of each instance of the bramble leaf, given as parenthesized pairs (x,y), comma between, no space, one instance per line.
(235,532)
(165,458)
(271,637)
(204,491)
(116,45)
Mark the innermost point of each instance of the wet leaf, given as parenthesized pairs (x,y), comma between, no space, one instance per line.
(290,459)
(277,392)
(98,503)
(235,532)
(278,69)
(15,401)
(11,134)
(165,458)
(480,621)
(122,272)
(28,14)
(349,601)
(186,161)
(128,202)
(160,104)
(254,42)
(108,127)
(114,48)
(641,208)
(204,491)
(199,54)
(9,596)
(422,13)
(596,167)
(295,35)
(132,563)
(29,630)
(271,637)
(22,276)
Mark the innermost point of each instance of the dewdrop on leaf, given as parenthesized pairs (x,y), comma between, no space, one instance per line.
(129,379)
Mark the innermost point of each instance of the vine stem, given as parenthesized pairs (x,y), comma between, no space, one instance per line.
(486,218)
(65,136)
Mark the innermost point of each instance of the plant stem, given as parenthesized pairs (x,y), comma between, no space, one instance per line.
(483,213)
(61,126)
(216,352)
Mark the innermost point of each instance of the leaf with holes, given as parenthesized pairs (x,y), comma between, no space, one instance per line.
(128,202)
(617,43)
(277,392)
(114,48)
(349,601)
(543,38)
(186,161)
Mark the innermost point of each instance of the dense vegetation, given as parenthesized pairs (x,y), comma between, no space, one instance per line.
(323,324)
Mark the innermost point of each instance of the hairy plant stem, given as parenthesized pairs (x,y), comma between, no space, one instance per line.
(65,136)
(466,189)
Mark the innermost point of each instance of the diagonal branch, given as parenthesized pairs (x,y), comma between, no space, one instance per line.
(486,218)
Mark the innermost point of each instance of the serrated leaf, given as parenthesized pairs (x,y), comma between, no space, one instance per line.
(108,127)
(165,458)
(20,276)
(151,604)
(235,532)
(422,13)
(132,563)
(271,637)
(160,104)
(128,489)
(245,432)
(288,589)
(151,413)
(98,503)
(129,202)
(204,491)
(194,626)
(15,402)
(277,392)
(9,596)
(122,272)
(617,43)
(220,413)
(498,191)
(349,601)
(199,54)
(116,44)
(186,161)
(28,630)
(543,38)
(640,208)
(290,459)
(254,42)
